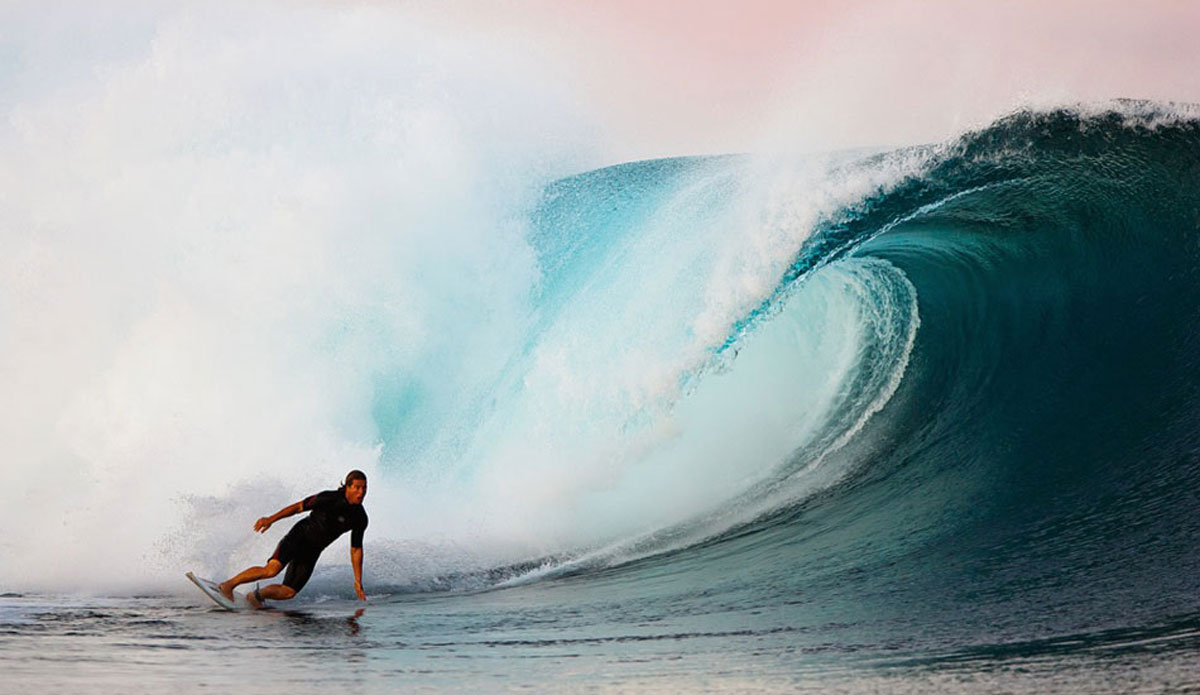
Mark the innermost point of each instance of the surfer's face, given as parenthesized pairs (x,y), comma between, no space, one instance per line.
(356,491)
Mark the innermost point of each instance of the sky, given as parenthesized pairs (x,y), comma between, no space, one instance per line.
(679,77)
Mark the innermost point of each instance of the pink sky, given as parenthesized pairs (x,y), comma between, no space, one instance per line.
(677,77)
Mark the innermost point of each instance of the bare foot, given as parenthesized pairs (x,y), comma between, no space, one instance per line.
(226,590)
(254,602)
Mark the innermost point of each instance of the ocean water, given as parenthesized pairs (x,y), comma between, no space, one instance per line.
(905,421)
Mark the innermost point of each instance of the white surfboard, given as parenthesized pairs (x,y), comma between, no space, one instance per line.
(213,591)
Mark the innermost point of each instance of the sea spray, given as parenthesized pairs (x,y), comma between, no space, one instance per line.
(220,247)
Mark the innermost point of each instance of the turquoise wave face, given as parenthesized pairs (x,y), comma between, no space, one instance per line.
(964,403)
(639,410)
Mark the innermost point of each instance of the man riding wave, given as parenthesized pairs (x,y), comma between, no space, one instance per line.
(331,513)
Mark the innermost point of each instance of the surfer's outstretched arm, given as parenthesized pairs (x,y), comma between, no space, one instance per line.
(356,555)
(265,522)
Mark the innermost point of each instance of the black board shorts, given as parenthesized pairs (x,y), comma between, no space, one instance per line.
(300,559)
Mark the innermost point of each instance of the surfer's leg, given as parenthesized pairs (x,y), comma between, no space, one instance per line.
(298,572)
(276,592)
(283,554)
(252,574)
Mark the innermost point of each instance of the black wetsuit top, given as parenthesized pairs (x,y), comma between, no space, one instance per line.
(330,516)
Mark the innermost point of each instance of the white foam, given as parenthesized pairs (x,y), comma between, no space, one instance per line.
(221,227)
(758,437)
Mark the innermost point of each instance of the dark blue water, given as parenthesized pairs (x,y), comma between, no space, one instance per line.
(1017,510)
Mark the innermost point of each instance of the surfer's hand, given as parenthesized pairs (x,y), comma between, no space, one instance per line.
(362,596)
(262,525)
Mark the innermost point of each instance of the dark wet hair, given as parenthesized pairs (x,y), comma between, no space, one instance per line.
(354,475)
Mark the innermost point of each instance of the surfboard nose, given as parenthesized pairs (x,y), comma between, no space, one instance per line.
(213,590)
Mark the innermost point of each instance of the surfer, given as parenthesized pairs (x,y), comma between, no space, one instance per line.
(332,513)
